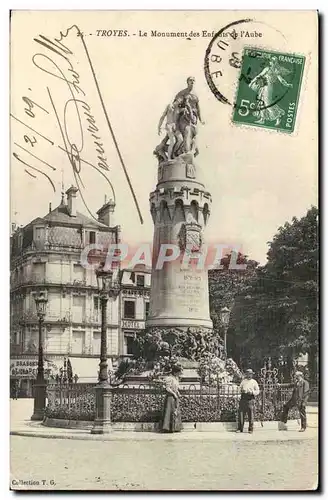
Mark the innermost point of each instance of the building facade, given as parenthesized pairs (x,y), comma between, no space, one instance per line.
(134,305)
(46,257)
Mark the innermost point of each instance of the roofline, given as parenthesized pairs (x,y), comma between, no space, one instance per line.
(100,226)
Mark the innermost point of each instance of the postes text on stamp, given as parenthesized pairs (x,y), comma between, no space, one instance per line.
(268,89)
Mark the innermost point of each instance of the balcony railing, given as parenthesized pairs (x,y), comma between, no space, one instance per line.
(42,245)
(54,316)
(26,281)
(17,349)
(29,316)
(93,318)
(50,317)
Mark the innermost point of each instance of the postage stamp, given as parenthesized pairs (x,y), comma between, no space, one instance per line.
(268,89)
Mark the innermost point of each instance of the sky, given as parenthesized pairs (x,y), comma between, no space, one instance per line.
(258,178)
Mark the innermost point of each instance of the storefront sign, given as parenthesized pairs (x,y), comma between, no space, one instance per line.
(28,368)
(136,325)
(23,368)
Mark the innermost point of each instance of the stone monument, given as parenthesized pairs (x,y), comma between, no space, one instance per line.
(180,209)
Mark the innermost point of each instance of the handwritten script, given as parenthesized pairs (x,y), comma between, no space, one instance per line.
(71,112)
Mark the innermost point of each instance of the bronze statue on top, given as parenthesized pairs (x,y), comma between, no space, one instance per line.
(182,116)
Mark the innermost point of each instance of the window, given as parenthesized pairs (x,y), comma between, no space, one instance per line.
(129,309)
(39,272)
(147,309)
(96,309)
(129,343)
(14,337)
(38,237)
(39,233)
(78,342)
(78,272)
(78,301)
(54,341)
(32,303)
(78,309)
(96,340)
(92,237)
(32,341)
(140,280)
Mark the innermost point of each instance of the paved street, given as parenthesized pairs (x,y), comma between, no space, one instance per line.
(157,465)
(267,460)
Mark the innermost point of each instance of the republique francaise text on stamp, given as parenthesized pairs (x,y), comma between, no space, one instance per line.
(268,89)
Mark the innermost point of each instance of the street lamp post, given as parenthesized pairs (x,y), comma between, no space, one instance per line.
(225,316)
(40,385)
(102,423)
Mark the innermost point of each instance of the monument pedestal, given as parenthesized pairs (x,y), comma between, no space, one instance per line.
(180,208)
(190,377)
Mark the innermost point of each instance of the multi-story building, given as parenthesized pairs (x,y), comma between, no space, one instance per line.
(46,257)
(134,305)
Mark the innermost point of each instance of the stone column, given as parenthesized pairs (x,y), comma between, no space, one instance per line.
(180,207)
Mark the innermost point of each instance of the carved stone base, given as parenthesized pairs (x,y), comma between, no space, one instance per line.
(38,414)
(39,401)
(102,422)
(181,329)
(178,169)
(187,343)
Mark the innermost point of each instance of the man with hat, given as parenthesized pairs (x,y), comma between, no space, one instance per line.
(299,399)
(249,389)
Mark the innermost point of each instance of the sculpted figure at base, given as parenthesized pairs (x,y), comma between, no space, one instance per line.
(182,116)
(171,113)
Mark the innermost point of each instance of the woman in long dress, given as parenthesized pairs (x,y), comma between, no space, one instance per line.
(263,84)
(171,414)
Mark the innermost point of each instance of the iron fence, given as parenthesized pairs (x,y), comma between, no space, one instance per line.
(144,402)
(71,401)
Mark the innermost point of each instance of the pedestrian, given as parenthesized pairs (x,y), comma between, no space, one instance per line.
(16,389)
(171,415)
(249,389)
(299,399)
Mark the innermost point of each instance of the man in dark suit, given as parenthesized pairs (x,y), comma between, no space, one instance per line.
(299,399)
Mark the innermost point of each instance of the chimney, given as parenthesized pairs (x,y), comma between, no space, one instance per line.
(49,208)
(105,213)
(71,200)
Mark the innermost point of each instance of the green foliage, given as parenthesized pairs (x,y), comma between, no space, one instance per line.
(160,349)
(214,370)
(157,343)
(225,285)
(278,309)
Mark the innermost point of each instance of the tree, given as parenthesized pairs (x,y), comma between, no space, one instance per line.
(278,313)
(225,285)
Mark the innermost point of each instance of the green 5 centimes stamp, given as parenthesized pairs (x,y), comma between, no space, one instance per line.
(268,89)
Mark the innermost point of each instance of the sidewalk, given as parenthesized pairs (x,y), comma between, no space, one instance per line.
(21,425)
(34,429)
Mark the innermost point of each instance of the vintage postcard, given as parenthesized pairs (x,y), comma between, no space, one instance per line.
(164,250)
